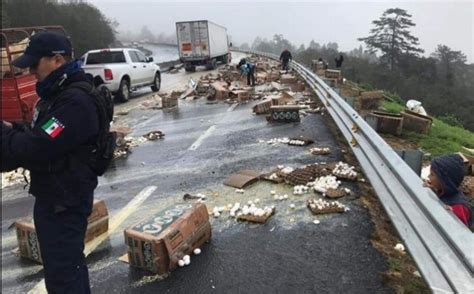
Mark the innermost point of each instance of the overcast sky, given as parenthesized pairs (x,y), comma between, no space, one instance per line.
(437,22)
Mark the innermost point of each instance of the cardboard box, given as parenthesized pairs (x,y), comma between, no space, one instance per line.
(261,76)
(263,66)
(285,98)
(263,107)
(321,72)
(168,102)
(157,243)
(333,74)
(331,82)
(387,123)
(242,95)
(467,186)
(98,224)
(98,221)
(298,87)
(317,66)
(468,163)
(347,91)
(242,178)
(222,93)
(288,79)
(416,122)
(273,76)
(372,94)
(16,50)
(369,100)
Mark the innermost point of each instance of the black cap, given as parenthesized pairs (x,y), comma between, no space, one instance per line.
(43,44)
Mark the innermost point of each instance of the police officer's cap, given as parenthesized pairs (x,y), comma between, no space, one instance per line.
(43,44)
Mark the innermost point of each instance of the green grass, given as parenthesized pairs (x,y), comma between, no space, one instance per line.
(395,264)
(392,107)
(442,137)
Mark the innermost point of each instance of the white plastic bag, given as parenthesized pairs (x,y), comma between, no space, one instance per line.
(415,106)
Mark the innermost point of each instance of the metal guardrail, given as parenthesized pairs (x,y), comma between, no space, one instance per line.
(168,65)
(442,247)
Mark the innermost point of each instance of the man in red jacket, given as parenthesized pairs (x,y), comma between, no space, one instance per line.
(447,174)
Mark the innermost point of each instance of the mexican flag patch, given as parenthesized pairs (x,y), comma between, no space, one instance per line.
(53,127)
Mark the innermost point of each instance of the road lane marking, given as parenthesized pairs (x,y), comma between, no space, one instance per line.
(202,138)
(232,107)
(114,224)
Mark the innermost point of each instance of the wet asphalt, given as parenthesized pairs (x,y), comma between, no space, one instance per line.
(204,144)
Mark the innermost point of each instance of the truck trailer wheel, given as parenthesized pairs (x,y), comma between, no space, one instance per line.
(123,93)
(189,68)
(212,64)
(226,59)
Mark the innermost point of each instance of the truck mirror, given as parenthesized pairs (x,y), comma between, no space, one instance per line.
(150,59)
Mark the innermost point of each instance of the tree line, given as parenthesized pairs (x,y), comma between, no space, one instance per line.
(83,22)
(443,81)
(146,35)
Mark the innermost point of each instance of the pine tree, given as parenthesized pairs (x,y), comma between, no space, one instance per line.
(450,61)
(391,35)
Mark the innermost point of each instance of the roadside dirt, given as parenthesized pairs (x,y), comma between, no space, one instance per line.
(402,274)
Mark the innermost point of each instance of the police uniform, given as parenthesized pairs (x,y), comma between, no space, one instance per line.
(52,148)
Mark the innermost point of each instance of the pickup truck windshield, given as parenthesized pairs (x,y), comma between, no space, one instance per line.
(105,57)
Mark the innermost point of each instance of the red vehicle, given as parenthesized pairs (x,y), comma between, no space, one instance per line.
(19,96)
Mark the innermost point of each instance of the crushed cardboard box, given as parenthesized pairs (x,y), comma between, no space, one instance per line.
(242,179)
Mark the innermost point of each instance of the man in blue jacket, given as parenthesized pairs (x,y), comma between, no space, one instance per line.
(248,69)
(55,148)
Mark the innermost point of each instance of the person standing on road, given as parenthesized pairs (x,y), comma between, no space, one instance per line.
(339,61)
(446,175)
(248,69)
(56,149)
(285,58)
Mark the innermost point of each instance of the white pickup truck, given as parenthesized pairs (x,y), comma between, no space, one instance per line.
(123,70)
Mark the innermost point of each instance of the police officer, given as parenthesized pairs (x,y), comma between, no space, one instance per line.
(52,148)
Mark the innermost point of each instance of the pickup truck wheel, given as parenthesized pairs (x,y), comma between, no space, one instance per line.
(156,83)
(123,93)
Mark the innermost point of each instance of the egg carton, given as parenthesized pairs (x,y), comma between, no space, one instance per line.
(467,186)
(300,141)
(302,176)
(336,193)
(328,207)
(346,176)
(256,219)
(273,176)
(154,135)
(299,177)
(345,171)
(320,151)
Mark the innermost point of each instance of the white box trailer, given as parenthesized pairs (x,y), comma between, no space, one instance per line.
(202,42)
